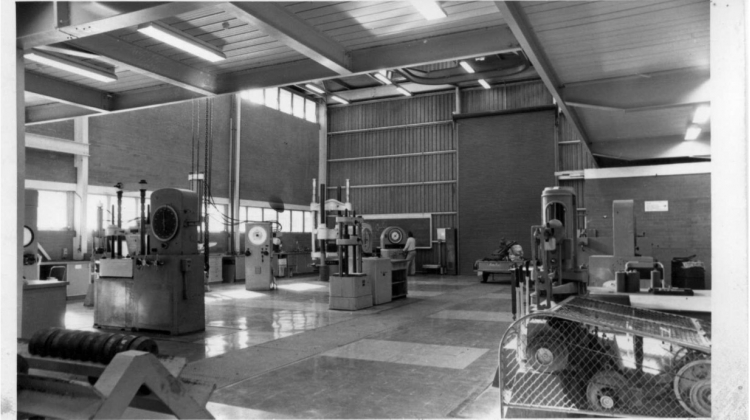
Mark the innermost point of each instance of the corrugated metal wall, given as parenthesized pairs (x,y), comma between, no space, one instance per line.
(400,155)
(573,155)
(511,96)
(420,158)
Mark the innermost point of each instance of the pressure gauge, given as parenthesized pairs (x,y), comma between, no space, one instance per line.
(395,236)
(28,236)
(257,235)
(165,223)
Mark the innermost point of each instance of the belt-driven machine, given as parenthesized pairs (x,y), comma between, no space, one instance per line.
(581,354)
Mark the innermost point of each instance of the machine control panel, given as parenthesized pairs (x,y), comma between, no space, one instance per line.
(260,260)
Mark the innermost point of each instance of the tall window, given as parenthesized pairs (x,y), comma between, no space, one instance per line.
(52,213)
(269,215)
(216,221)
(285,101)
(298,221)
(285,220)
(94,201)
(272,98)
(309,222)
(254,95)
(299,106)
(254,214)
(311,111)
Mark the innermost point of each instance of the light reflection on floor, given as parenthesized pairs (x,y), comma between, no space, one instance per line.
(300,287)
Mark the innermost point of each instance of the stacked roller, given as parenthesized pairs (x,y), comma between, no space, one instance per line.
(86,346)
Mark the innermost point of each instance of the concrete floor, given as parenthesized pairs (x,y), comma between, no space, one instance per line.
(284,354)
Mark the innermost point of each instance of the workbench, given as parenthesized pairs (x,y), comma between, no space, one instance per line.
(700,302)
(43,305)
(77,274)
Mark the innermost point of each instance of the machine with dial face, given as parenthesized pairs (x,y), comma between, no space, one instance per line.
(260,258)
(174,222)
(161,290)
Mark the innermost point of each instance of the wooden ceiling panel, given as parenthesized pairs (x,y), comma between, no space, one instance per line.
(364,40)
(618,125)
(585,41)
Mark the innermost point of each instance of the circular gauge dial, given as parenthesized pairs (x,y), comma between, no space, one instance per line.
(28,236)
(395,236)
(257,235)
(165,223)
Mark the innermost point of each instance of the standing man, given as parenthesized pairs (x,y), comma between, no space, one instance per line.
(411,252)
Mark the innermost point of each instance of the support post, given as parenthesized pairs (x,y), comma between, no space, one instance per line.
(236,171)
(81,135)
(729,200)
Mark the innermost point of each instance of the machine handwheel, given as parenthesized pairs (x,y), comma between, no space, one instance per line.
(692,386)
(605,391)
(547,351)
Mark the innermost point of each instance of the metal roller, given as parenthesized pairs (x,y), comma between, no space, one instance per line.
(55,344)
(144,344)
(97,347)
(110,348)
(547,351)
(606,391)
(124,344)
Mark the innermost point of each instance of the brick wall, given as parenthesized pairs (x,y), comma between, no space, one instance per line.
(682,231)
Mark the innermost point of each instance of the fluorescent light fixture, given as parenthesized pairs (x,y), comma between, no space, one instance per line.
(339,99)
(78,67)
(429,9)
(484,83)
(182,41)
(692,132)
(383,78)
(315,88)
(403,91)
(702,114)
(466,66)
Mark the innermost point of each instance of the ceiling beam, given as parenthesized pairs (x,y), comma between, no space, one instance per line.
(275,21)
(516,19)
(68,93)
(277,75)
(382,91)
(146,98)
(652,148)
(53,144)
(431,50)
(47,113)
(662,89)
(45,23)
(140,60)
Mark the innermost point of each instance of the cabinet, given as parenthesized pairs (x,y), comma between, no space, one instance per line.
(399,286)
(76,273)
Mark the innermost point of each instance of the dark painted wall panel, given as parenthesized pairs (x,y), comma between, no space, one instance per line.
(279,155)
(156,145)
(682,231)
(505,162)
(50,166)
(61,130)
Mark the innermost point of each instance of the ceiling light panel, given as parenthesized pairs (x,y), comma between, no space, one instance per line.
(339,99)
(484,83)
(403,91)
(466,66)
(182,41)
(692,132)
(76,67)
(315,88)
(383,79)
(702,114)
(429,9)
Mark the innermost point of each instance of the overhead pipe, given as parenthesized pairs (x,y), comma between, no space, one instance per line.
(143,216)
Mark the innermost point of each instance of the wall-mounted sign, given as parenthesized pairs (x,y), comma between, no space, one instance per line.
(657,205)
